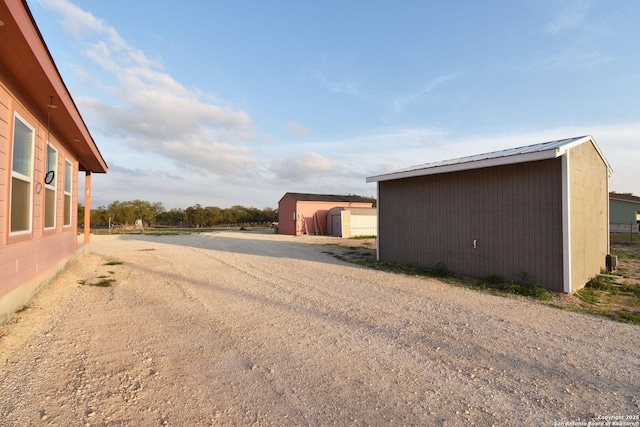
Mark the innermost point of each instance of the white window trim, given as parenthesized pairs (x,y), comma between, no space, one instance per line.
(20,176)
(68,193)
(53,186)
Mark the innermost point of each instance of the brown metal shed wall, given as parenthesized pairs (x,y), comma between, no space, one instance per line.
(589,197)
(513,212)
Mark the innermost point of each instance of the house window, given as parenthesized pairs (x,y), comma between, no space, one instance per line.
(21,176)
(68,179)
(50,179)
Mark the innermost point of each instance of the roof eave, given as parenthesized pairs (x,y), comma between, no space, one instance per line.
(66,123)
(457,167)
(549,153)
(582,140)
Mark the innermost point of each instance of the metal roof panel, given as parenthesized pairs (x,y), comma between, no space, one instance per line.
(545,150)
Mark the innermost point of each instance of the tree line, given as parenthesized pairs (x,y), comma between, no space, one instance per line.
(154,214)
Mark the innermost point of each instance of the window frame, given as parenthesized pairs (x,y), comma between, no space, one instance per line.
(68,175)
(19,176)
(53,186)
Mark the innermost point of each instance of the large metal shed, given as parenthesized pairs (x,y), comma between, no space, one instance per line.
(352,222)
(304,213)
(536,214)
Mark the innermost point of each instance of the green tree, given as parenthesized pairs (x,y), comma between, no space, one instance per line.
(174,216)
(195,215)
(80,213)
(99,216)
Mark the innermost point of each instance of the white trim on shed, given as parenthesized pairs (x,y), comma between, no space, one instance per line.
(529,153)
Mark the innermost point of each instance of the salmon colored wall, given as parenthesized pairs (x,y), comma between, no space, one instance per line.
(286,208)
(23,258)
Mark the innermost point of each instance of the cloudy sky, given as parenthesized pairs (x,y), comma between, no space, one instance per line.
(235,102)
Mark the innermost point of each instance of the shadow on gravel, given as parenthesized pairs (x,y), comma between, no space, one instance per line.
(332,250)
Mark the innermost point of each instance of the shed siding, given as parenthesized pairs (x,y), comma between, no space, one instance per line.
(624,216)
(345,221)
(363,225)
(589,195)
(307,212)
(513,212)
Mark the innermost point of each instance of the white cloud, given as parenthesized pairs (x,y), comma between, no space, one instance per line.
(297,128)
(301,167)
(152,111)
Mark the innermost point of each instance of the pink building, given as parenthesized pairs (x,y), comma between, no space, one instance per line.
(44,144)
(300,213)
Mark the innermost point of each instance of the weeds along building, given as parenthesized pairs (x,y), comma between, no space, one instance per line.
(44,144)
(536,214)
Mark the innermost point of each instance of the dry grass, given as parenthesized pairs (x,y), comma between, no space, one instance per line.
(615,297)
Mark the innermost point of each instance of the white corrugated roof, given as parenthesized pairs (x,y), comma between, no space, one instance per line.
(356,210)
(529,153)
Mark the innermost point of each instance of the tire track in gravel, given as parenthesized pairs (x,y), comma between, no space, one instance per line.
(460,341)
(250,329)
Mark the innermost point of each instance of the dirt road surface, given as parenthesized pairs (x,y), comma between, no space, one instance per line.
(236,329)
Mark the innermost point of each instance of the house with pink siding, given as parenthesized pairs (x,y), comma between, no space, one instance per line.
(302,213)
(44,144)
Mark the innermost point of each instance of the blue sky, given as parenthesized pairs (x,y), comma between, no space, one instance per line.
(227,103)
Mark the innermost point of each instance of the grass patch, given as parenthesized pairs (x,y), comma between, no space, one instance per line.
(495,284)
(603,295)
(498,285)
(22,309)
(602,283)
(440,270)
(627,317)
(104,283)
(588,295)
(113,263)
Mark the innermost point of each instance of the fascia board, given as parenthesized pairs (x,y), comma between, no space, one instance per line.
(479,164)
(589,138)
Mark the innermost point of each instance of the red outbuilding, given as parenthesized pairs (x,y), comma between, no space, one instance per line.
(301,213)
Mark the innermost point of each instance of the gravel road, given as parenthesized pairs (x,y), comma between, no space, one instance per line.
(239,328)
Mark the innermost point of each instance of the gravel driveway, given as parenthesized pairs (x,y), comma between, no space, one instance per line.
(241,328)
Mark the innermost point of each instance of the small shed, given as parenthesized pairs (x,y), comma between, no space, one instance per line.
(536,214)
(352,222)
(303,213)
(624,213)
(44,144)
